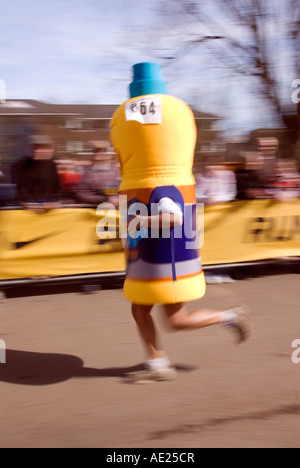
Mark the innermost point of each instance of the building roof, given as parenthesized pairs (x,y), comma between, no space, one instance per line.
(29,107)
(205,116)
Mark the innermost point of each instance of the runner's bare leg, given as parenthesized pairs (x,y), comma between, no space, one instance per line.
(179,319)
(147,330)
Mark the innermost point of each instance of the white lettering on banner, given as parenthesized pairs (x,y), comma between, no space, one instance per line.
(147,110)
(296,93)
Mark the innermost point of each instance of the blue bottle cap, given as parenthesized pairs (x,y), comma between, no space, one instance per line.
(147,80)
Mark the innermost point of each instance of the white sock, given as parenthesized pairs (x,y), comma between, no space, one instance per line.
(158,364)
(229,317)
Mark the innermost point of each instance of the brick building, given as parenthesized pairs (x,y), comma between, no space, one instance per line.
(73,126)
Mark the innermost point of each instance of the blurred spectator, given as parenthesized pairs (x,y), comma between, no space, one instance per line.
(7,195)
(250,183)
(267,148)
(287,184)
(7,192)
(101,180)
(70,177)
(2,195)
(217,185)
(38,184)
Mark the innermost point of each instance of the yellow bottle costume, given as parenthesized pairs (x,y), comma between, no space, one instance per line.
(154,136)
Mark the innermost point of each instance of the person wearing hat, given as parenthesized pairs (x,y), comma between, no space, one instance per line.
(38,183)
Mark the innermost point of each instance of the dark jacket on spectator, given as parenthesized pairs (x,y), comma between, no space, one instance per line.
(38,181)
(247,180)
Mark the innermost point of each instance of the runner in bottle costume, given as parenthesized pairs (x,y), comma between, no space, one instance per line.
(154,136)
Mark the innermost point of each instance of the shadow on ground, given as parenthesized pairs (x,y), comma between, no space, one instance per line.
(27,368)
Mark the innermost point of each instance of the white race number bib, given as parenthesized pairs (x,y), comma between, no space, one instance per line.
(147,110)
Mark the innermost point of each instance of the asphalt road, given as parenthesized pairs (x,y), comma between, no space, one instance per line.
(63,384)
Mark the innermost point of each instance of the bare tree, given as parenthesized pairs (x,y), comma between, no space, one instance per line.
(254,51)
(255,38)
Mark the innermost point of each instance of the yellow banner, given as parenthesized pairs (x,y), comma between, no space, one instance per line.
(60,242)
(65,242)
(245,231)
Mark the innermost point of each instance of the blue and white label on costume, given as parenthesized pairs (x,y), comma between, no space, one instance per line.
(147,110)
(167,257)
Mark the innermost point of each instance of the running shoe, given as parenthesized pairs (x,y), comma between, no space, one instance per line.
(242,326)
(149,376)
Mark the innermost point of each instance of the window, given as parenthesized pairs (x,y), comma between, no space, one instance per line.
(208,148)
(212,147)
(74,146)
(74,124)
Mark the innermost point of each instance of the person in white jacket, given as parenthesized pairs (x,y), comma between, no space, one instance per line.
(217,185)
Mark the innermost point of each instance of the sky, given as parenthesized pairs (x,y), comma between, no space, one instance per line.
(82,51)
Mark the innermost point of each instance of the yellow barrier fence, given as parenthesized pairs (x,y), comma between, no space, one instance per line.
(246,231)
(64,242)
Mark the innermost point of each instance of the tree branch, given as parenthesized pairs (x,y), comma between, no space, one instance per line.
(247,58)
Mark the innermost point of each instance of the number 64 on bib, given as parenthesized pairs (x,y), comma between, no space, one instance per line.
(147,110)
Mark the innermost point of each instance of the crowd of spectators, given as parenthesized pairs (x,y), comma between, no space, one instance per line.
(257,177)
(44,182)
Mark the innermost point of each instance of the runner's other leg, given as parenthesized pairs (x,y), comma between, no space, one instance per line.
(158,366)
(236,318)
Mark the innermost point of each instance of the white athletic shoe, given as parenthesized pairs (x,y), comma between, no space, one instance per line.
(149,376)
(242,326)
(213,279)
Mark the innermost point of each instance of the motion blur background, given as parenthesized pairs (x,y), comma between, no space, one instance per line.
(65,67)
